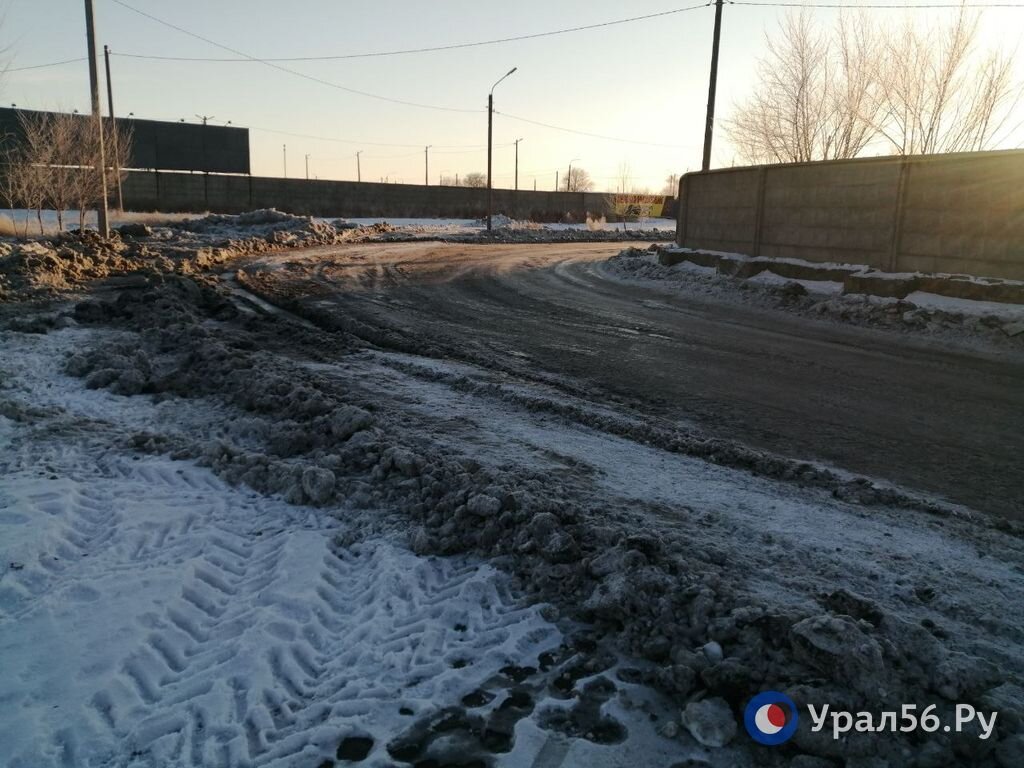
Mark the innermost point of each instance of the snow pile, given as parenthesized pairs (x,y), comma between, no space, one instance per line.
(276,227)
(922,313)
(307,437)
(150,612)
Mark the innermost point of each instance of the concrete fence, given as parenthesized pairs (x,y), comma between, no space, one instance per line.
(184,192)
(960,213)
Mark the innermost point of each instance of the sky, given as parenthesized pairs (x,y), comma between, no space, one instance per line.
(645,82)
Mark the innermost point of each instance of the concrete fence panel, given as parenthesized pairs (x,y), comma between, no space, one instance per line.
(959,213)
(184,192)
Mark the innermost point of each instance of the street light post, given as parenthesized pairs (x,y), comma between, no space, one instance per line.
(426,165)
(517,164)
(568,179)
(307,167)
(284,153)
(359,169)
(490,124)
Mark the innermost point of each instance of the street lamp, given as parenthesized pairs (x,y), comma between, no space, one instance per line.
(359,167)
(426,165)
(517,163)
(284,156)
(490,122)
(568,179)
(307,167)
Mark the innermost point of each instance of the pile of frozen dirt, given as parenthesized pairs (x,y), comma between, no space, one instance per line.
(64,263)
(824,299)
(662,594)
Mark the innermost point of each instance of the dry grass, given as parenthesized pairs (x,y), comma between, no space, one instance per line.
(13,222)
(8,227)
(153,218)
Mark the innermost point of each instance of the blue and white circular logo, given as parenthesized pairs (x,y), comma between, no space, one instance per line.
(771,718)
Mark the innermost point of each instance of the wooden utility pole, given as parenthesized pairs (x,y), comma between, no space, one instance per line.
(709,127)
(102,224)
(114,138)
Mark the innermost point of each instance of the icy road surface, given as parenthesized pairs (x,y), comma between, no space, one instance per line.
(947,420)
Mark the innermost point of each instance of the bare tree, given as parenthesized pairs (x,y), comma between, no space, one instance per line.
(578,181)
(939,93)
(671,188)
(17,172)
(919,89)
(35,162)
(476,180)
(54,164)
(624,177)
(815,96)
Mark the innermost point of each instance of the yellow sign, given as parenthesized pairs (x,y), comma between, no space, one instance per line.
(639,206)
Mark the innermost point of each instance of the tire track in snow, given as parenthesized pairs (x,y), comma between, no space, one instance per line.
(250,638)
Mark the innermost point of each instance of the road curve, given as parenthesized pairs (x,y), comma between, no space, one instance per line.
(948,422)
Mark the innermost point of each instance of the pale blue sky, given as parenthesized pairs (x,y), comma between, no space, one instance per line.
(645,81)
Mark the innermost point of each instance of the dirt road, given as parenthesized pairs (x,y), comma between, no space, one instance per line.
(894,407)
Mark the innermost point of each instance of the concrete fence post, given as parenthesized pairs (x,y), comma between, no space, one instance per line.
(682,206)
(895,241)
(762,176)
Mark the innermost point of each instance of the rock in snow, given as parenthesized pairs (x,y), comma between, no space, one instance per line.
(710,721)
(318,484)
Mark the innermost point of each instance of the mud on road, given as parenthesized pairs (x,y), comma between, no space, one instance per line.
(634,461)
(935,416)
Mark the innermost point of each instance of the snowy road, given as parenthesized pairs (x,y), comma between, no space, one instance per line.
(942,420)
(439,505)
(152,616)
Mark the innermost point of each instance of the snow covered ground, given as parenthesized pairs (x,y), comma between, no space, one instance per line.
(152,615)
(19,218)
(226,497)
(990,323)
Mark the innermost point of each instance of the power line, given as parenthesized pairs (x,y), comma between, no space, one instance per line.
(50,64)
(356,142)
(592,135)
(292,71)
(435,48)
(874,6)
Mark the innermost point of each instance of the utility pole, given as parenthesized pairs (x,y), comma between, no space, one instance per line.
(709,128)
(534,183)
(556,181)
(359,170)
(490,124)
(113,128)
(307,167)
(284,153)
(102,224)
(426,166)
(517,164)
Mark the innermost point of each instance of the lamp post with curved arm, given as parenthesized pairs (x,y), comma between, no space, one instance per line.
(490,122)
